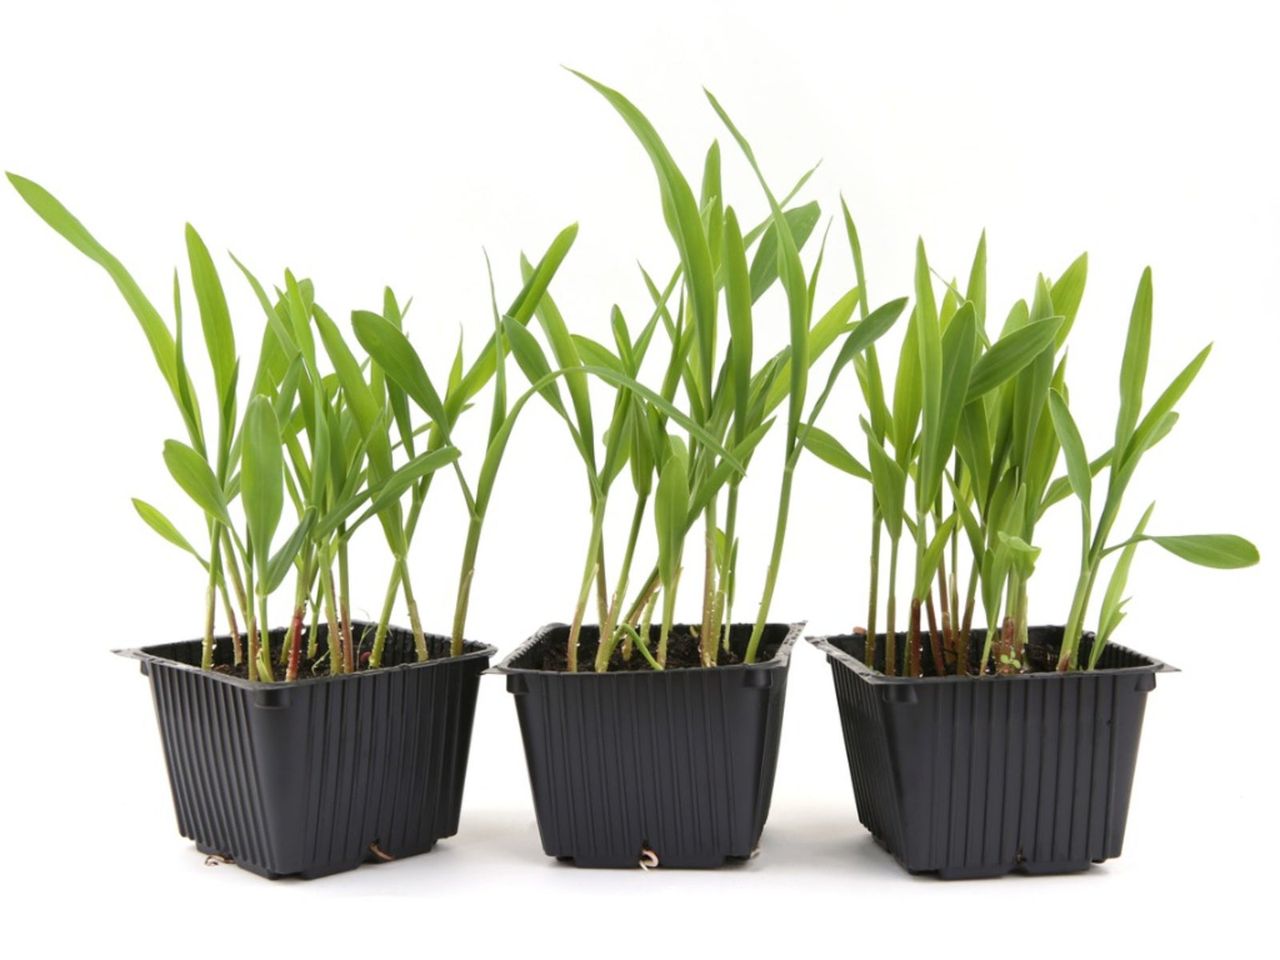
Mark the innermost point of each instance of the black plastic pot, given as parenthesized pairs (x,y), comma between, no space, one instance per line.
(319,775)
(677,762)
(980,776)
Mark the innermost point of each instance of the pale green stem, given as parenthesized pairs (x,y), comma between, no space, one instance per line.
(588,577)
(608,639)
(419,638)
(775,561)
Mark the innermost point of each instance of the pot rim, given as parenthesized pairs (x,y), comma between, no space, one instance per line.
(779,661)
(147,657)
(873,676)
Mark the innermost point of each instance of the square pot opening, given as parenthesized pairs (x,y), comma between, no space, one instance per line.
(775,649)
(1043,644)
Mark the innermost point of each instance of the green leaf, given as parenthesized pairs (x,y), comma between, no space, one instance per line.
(670,508)
(683,219)
(597,354)
(1023,555)
(972,529)
(1133,369)
(1067,292)
(738,301)
(791,273)
(52,212)
(828,449)
(906,394)
(392,351)
(215,318)
(667,409)
(928,566)
(1144,438)
(193,474)
(531,359)
(1225,551)
(860,338)
(764,264)
(1011,353)
(889,481)
(390,490)
(1113,600)
(957,348)
(821,336)
(158,522)
(1079,472)
(564,349)
(284,558)
(261,478)
(520,311)
(724,470)
(976,292)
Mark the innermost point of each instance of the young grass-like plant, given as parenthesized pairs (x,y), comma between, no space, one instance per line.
(977,426)
(710,391)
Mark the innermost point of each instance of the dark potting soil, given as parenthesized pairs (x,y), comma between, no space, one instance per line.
(399,648)
(683,653)
(1040,655)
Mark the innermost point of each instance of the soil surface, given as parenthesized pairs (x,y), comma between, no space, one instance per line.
(399,648)
(1040,655)
(683,653)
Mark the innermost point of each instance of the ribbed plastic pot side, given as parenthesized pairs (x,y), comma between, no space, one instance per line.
(678,762)
(322,774)
(970,776)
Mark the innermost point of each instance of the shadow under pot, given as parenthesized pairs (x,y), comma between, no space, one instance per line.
(322,774)
(969,776)
(669,768)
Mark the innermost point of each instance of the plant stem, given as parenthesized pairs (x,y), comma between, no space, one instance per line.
(668,615)
(211,606)
(465,577)
(890,626)
(232,566)
(419,638)
(945,608)
(607,634)
(724,603)
(602,583)
(313,628)
(264,648)
(913,639)
(337,660)
(966,624)
(642,595)
(295,642)
(1069,654)
(873,592)
(236,651)
(384,618)
(709,637)
(252,660)
(584,593)
(775,561)
(935,638)
(344,602)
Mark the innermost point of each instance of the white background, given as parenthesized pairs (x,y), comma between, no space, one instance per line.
(375,145)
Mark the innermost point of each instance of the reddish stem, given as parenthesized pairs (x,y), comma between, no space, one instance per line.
(913,640)
(295,643)
(1004,649)
(935,639)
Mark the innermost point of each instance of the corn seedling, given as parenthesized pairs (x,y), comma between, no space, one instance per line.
(723,406)
(977,425)
(324,439)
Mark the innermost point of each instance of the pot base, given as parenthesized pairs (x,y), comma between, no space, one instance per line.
(967,777)
(679,763)
(305,778)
